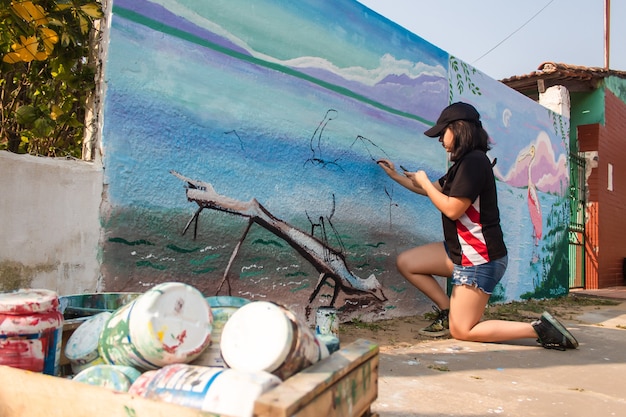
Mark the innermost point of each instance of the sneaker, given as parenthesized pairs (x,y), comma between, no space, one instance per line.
(552,334)
(439,327)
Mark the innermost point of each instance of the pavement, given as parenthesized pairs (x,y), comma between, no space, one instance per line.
(447,377)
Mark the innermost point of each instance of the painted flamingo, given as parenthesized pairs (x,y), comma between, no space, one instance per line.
(534,206)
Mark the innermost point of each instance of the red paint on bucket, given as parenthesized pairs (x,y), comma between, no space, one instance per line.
(30,330)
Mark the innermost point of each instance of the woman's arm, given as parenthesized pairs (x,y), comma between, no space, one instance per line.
(404,179)
(451,207)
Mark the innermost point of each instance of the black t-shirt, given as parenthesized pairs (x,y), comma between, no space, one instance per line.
(476,237)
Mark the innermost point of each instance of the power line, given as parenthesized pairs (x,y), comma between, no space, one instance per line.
(513,33)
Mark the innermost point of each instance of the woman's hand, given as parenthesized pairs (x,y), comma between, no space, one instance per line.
(387,166)
(420,178)
(407,179)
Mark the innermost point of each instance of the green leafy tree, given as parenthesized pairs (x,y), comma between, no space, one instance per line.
(46,74)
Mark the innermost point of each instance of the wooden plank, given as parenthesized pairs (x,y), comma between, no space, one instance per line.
(346,382)
(352,395)
(30,394)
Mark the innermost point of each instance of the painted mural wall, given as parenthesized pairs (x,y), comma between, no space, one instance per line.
(240,141)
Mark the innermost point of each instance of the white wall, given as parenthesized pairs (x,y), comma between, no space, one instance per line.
(49,223)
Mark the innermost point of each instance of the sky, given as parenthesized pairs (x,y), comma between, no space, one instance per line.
(503,38)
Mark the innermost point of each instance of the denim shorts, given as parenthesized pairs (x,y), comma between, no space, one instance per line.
(485,276)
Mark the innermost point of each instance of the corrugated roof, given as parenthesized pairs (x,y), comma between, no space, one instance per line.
(573,77)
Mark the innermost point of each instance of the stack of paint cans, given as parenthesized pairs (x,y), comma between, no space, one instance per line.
(217,354)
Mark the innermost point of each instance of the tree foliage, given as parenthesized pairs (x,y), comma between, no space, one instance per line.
(45,74)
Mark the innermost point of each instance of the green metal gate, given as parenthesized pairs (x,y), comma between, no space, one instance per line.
(577,221)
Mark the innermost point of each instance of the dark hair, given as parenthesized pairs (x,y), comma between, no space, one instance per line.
(468,136)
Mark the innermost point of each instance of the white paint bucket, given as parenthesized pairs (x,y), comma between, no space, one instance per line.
(81,348)
(223,307)
(170,323)
(31,328)
(265,336)
(326,321)
(221,391)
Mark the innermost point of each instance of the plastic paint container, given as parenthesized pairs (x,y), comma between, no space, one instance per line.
(329,341)
(140,385)
(170,323)
(115,377)
(31,328)
(216,390)
(80,306)
(81,348)
(265,336)
(326,321)
(223,307)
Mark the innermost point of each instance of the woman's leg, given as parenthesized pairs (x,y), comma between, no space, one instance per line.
(467,307)
(418,265)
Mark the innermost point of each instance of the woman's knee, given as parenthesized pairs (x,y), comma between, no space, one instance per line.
(459,333)
(404,261)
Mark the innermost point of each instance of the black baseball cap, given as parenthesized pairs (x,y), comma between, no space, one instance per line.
(455,111)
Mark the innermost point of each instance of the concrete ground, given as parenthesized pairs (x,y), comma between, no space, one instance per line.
(447,377)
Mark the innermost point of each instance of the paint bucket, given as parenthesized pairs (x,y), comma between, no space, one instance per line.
(114,377)
(170,323)
(265,336)
(329,341)
(81,349)
(326,321)
(216,390)
(83,306)
(31,328)
(78,308)
(140,385)
(222,307)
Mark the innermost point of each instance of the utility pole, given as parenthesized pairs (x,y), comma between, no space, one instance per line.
(607,32)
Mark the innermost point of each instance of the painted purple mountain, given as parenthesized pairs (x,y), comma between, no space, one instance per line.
(423,95)
(416,96)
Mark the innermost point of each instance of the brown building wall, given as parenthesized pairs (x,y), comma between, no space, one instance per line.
(605,229)
(612,210)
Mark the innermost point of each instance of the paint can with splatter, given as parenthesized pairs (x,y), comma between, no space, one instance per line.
(113,377)
(81,348)
(326,321)
(216,390)
(169,323)
(31,328)
(265,336)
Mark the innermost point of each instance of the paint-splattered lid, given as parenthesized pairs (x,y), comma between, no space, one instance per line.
(82,345)
(170,323)
(28,301)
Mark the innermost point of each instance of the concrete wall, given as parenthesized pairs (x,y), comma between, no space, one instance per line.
(49,223)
